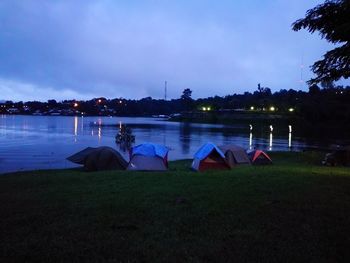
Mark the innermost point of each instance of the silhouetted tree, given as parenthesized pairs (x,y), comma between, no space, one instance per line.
(265,91)
(52,103)
(327,84)
(186,99)
(332,20)
(186,94)
(314,89)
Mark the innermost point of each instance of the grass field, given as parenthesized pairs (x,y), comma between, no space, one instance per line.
(292,211)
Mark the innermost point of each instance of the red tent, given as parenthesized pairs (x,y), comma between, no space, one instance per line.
(259,157)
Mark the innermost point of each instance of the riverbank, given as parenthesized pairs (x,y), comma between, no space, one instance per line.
(317,128)
(229,117)
(294,210)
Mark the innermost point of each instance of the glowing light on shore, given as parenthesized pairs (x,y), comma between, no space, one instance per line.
(272,108)
(291,109)
(250,127)
(252,108)
(206,108)
(271,128)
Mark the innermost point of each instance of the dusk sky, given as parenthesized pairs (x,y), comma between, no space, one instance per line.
(83,49)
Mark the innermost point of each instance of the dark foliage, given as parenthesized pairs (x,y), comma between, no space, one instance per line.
(330,103)
(332,20)
(186,94)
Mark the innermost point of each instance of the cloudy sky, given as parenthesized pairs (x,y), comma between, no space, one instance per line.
(83,49)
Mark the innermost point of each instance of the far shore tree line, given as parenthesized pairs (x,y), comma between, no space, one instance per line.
(318,104)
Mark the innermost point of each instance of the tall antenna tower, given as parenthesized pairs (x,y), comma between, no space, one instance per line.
(165,90)
(302,72)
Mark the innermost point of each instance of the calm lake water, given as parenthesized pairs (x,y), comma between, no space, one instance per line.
(44,142)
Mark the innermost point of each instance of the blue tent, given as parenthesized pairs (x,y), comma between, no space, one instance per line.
(150,149)
(209,156)
(149,157)
(206,149)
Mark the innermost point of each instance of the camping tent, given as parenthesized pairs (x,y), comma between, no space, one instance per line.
(234,155)
(209,157)
(259,157)
(101,158)
(339,156)
(148,157)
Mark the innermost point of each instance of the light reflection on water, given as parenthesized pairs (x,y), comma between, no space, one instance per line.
(43,142)
(250,141)
(290,139)
(270,141)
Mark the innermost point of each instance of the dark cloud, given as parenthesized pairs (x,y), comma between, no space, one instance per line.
(127,49)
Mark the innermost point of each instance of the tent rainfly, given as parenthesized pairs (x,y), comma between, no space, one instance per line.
(148,157)
(234,155)
(97,159)
(209,157)
(259,157)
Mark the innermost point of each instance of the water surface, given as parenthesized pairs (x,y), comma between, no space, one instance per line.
(44,142)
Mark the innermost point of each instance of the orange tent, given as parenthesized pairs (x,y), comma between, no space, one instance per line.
(259,157)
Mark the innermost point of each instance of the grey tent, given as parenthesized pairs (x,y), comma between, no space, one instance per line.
(148,157)
(101,158)
(234,155)
(147,163)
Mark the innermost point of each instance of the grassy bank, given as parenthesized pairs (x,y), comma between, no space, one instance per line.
(294,210)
